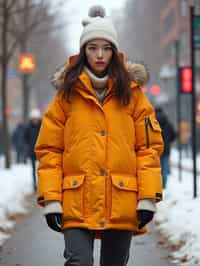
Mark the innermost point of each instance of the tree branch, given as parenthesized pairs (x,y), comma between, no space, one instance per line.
(51,30)
(23,9)
(12,4)
(14,46)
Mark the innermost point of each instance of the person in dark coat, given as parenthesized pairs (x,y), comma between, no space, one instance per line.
(19,143)
(169,135)
(31,133)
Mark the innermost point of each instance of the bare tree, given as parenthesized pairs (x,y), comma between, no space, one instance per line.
(19,19)
(6,8)
(35,18)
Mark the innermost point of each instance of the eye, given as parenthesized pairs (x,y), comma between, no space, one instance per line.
(92,48)
(107,48)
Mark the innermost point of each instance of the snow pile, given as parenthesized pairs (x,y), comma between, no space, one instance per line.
(178,216)
(15,185)
(1,161)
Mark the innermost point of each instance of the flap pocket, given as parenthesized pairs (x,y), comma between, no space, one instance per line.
(154,124)
(72,182)
(124,182)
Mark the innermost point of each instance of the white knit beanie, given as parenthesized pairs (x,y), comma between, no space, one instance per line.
(97,26)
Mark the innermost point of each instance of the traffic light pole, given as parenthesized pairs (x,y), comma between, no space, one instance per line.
(178,110)
(25,85)
(192,53)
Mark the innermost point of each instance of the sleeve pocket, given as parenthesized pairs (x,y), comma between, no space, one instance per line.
(154,124)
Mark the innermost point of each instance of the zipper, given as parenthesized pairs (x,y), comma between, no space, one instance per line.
(147,124)
(91,95)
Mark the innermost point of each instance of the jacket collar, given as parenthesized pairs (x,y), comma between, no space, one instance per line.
(84,85)
(85,89)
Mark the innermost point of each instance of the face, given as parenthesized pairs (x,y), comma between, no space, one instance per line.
(99,54)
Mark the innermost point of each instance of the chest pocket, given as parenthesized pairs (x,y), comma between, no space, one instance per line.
(152,130)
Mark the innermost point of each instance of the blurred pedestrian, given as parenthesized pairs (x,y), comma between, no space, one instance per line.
(99,170)
(169,135)
(30,135)
(185,137)
(19,144)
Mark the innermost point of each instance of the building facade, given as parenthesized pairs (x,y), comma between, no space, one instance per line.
(175,26)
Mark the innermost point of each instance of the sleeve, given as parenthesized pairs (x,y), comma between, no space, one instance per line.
(149,146)
(49,151)
(146,204)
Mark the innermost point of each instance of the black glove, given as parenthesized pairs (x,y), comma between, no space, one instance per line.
(144,217)
(54,221)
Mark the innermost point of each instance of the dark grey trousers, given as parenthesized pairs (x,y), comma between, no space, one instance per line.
(79,243)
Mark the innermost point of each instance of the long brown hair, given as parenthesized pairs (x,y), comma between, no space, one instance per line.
(116,71)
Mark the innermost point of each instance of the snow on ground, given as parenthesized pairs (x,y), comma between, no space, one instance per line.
(179,214)
(177,217)
(15,185)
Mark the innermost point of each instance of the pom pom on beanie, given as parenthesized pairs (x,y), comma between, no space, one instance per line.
(97,11)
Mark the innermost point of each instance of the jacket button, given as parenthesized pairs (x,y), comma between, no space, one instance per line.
(121,184)
(103,132)
(75,182)
(102,172)
(102,224)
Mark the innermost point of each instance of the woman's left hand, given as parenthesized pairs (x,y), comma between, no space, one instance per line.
(144,217)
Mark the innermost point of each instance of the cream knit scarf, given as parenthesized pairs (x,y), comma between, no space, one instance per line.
(99,84)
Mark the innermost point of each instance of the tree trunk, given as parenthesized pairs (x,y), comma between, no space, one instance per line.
(24,77)
(4,66)
(25,85)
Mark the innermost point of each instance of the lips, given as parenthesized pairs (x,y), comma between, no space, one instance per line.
(100,63)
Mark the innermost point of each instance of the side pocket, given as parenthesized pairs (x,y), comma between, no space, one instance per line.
(123,198)
(73,198)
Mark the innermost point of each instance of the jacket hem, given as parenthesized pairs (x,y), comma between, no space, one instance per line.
(107,226)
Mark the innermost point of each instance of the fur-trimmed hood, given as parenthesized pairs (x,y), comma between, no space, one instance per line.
(138,72)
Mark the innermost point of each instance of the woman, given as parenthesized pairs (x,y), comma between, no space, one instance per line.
(98,149)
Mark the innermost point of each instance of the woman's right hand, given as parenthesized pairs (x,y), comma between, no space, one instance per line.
(54,221)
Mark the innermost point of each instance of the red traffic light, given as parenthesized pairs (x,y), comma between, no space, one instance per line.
(155,90)
(185,79)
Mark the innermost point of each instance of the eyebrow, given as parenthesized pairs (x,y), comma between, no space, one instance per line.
(95,44)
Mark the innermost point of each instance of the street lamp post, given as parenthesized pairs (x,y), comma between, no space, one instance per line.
(178,106)
(192,54)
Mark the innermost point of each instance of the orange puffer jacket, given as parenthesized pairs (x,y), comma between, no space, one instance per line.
(99,161)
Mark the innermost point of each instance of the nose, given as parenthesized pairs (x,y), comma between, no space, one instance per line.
(99,53)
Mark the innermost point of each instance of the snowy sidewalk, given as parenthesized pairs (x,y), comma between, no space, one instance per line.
(178,216)
(15,186)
